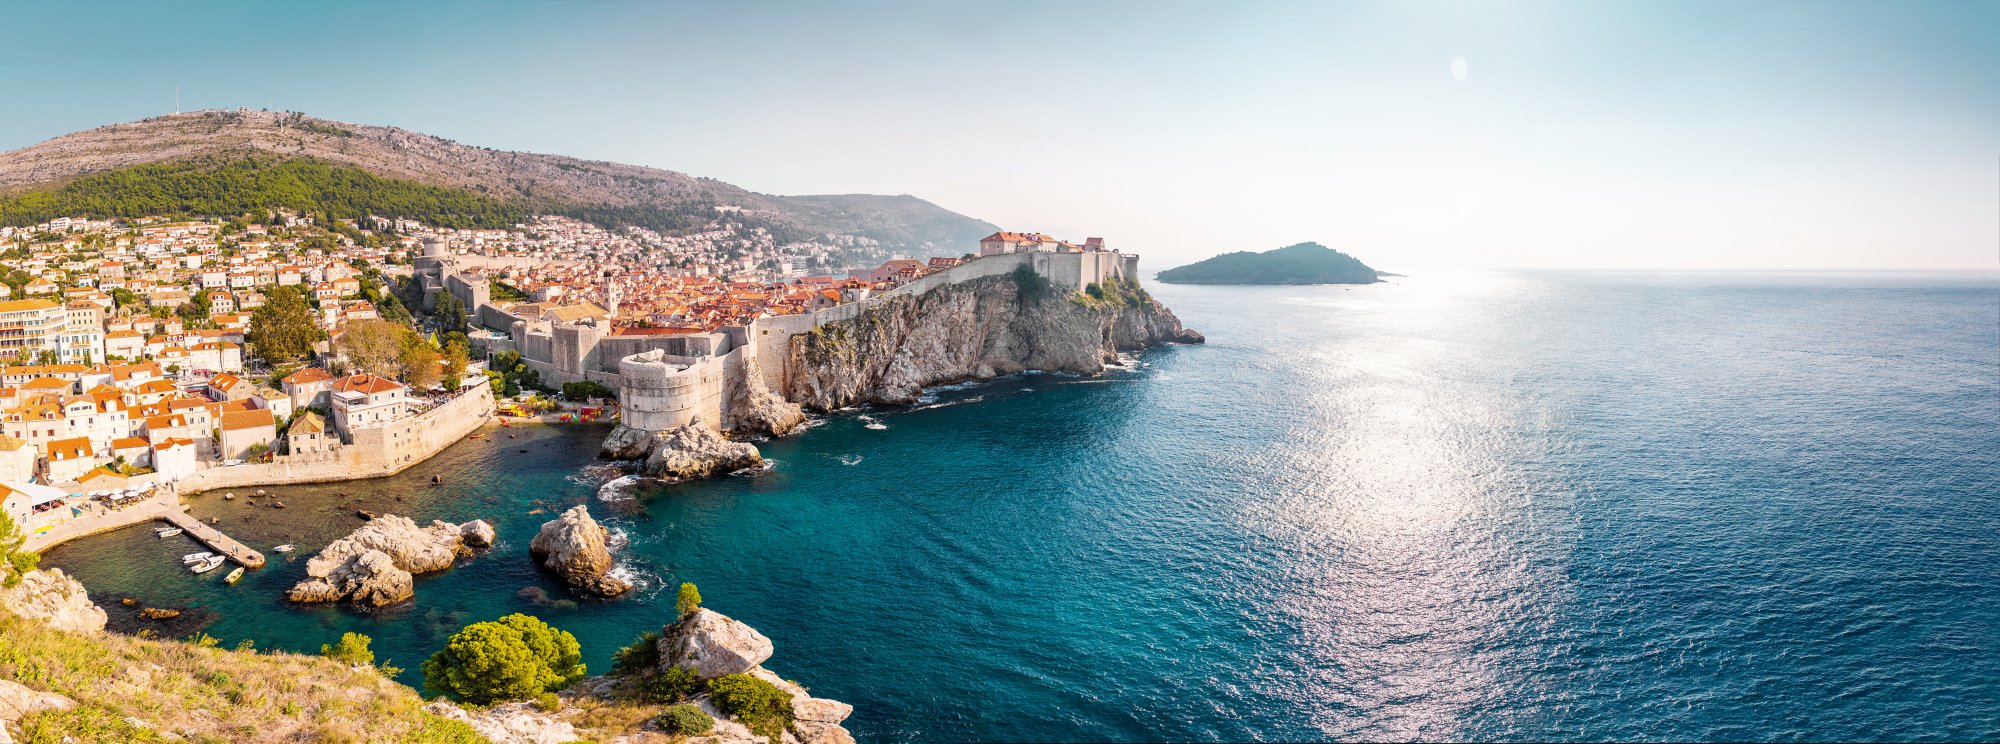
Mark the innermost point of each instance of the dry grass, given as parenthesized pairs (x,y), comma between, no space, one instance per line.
(132,689)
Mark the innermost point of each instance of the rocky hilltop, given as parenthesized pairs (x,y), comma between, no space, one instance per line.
(548,181)
(972,330)
(1304,263)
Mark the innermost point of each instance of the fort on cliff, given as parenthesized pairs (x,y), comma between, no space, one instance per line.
(666,381)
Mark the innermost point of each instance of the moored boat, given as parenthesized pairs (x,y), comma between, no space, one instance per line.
(285,548)
(169,532)
(197,557)
(233,576)
(208,564)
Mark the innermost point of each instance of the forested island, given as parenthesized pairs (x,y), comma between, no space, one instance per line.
(1305,263)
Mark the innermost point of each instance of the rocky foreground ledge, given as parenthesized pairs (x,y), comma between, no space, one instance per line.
(689,452)
(373,566)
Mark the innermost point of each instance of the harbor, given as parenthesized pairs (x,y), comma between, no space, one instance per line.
(222,544)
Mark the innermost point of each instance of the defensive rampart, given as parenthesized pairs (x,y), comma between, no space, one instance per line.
(376,451)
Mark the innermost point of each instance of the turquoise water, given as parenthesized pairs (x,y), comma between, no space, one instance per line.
(1503,506)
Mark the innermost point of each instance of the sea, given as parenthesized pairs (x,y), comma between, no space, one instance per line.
(1467,506)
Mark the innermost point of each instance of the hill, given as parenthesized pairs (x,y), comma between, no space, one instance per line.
(476,185)
(1305,263)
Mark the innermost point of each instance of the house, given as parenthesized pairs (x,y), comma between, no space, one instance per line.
(364,400)
(309,434)
(173,457)
(900,269)
(309,388)
(17,460)
(243,431)
(227,387)
(103,478)
(136,451)
(276,401)
(65,460)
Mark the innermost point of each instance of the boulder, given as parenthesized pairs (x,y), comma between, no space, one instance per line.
(815,720)
(697,451)
(477,533)
(54,598)
(713,644)
(626,443)
(572,545)
(369,578)
(509,723)
(18,701)
(373,563)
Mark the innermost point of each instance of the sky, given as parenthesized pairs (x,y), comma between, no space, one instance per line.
(1672,135)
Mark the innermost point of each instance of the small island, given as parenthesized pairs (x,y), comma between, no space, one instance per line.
(1305,263)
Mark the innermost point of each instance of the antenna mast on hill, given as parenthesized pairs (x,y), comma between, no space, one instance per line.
(177,99)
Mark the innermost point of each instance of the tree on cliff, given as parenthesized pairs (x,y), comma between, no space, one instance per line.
(688,600)
(283,329)
(13,560)
(514,658)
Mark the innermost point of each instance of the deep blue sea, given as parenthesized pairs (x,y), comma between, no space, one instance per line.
(1508,506)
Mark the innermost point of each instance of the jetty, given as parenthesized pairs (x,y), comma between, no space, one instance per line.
(222,544)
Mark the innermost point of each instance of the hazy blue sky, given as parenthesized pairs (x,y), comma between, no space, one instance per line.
(1587,134)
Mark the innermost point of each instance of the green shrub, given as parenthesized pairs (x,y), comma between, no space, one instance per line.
(759,705)
(547,702)
(643,654)
(685,720)
(671,685)
(513,658)
(688,601)
(352,650)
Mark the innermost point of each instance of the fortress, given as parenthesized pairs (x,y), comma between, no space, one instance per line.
(667,381)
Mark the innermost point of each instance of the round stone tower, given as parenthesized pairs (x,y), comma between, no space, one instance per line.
(658,394)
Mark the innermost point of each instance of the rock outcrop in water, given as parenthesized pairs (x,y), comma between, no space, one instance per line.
(971,330)
(691,451)
(573,546)
(374,564)
(54,598)
(713,645)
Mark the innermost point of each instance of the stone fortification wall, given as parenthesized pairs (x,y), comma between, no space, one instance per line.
(376,452)
(660,392)
(489,316)
(773,335)
(472,292)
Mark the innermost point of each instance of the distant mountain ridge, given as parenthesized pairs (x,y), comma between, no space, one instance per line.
(628,193)
(1304,263)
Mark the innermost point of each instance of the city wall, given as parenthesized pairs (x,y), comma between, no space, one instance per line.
(376,451)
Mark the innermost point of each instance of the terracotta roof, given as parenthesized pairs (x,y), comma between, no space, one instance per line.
(251,419)
(365,383)
(308,375)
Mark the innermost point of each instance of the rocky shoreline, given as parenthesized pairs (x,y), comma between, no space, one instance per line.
(689,452)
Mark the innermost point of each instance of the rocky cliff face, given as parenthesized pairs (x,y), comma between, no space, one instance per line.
(970,330)
(54,598)
(572,545)
(373,565)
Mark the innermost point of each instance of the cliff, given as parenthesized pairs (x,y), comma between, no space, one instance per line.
(62,682)
(65,681)
(976,329)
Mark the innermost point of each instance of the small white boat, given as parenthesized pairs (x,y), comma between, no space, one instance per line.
(168,532)
(285,548)
(233,576)
(197,557)
(208,564)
